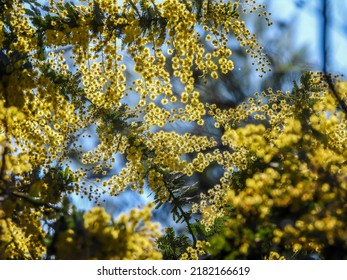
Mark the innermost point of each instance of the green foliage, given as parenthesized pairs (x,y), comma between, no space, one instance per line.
(180,196)
(171,245)
(114,121)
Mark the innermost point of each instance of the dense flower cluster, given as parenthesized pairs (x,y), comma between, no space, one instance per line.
(63,70)
(23,240)
(147,31)
(130,237)
(193,253)
(287,191)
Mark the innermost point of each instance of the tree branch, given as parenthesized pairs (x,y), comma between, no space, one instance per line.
(35,202)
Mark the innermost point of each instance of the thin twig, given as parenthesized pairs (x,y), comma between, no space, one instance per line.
(184,215)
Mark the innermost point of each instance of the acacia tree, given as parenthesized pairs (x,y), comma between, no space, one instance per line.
(48,104)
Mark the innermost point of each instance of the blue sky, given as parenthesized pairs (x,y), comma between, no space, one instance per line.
(308,24)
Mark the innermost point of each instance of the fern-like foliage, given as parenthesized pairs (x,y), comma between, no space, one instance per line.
(180,198)
(172,245)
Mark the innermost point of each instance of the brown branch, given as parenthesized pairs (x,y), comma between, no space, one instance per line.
(35,202)
(334,92)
